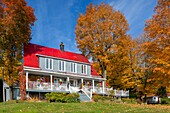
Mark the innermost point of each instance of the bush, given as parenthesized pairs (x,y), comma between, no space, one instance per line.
(62,97)
(165,100)
(129,100)
(162,92)
(132,95)
(74,97)
(98,98)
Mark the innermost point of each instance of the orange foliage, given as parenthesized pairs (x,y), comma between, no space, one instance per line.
(96,33)
(16,20)
(158,43)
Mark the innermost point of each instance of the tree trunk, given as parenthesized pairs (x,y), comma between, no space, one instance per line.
(104,76)
(145,98)
(22,84)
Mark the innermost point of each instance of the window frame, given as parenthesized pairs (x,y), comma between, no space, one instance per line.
(84,69)
(49,63)
(62,66)
(73,67)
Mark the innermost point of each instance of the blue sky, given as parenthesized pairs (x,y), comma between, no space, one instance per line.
(56,19)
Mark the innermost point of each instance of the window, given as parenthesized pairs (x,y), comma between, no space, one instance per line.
(55,80)
(73,67)
(48,63)
(61,66)
(83,69)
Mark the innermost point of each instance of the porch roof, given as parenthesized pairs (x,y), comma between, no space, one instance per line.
(60,74)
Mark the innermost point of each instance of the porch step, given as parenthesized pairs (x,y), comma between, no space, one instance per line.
(83,97)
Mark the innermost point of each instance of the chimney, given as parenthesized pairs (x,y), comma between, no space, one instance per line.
(62,46)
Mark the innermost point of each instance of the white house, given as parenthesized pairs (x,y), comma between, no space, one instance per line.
(56,70)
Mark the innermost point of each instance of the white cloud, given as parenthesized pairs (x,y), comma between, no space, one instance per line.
(57,19)
(135,11)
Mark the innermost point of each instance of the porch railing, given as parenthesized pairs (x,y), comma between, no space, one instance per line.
(87,91)
(74,89)
(34,85)
(121,93)
(98,90)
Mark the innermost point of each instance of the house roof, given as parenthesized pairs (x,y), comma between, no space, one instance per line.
(94,72)
(31,52)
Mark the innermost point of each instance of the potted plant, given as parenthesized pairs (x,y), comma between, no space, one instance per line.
(98,85)
(88,84)
(60,81)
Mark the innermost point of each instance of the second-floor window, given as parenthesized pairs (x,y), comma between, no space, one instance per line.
(73,67)
(83,69)
(48,63)
(61,65)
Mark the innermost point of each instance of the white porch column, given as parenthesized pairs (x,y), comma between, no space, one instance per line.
(82,83)
(26,80)
(103,86)
(51,80)
(92,85)
(68,83)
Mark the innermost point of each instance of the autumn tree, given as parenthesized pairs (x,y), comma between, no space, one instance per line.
(144,68)
(96,32)
(16,20)
(118,64)
(123,67)
(157,45)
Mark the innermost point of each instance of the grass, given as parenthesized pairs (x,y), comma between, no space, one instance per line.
(88,107)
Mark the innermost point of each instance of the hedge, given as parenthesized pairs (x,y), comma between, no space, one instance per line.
(62,97)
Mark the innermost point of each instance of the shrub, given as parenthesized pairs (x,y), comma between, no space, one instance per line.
(74,97)
(132,95)
(165,100)
(162,92)
(129,100)
(98,98)
(49,97)
(62,97)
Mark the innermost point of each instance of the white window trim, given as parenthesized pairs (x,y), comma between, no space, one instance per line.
(86,69)
(72,65)
(75,67)
(48,63)
(83,69)
(64,66)
(61,65)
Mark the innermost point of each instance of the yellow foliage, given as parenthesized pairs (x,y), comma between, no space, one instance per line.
(156,49)
(97,31)
(158,35)
(16,20)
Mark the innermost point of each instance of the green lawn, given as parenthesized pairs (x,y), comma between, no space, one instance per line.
(89,107)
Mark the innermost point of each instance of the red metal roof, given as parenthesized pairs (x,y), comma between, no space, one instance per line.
(94,72)
(31,58)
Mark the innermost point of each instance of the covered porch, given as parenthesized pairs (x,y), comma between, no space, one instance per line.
(40,81)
